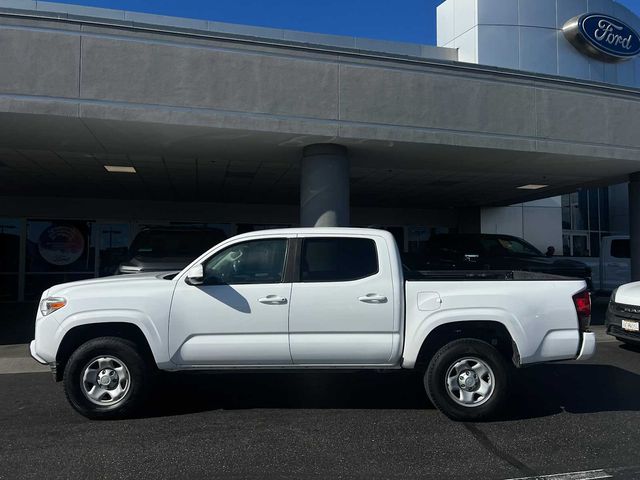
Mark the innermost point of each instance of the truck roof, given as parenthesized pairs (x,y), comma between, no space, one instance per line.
(317,231)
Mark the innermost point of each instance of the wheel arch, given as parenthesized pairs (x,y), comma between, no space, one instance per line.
(80,334)
(493,332)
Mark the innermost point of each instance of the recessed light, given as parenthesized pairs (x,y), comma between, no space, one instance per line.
(119,169)
(531,186)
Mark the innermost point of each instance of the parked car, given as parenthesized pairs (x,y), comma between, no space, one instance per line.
(613,267)
(332,298)
(623,314)
(163,249)
(491,252)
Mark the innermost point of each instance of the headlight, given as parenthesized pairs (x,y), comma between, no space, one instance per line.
(51,304)
(612,299)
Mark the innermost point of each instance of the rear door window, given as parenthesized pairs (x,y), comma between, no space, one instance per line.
(337,259)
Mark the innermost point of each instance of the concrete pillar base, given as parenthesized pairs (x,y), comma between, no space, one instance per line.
(324,186)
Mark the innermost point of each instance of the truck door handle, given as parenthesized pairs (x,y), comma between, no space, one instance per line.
(273,300)
(373,298)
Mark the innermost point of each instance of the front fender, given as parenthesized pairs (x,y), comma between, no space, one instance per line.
(135,317)
(419,329)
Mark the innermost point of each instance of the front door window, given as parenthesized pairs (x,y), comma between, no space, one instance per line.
(254,262)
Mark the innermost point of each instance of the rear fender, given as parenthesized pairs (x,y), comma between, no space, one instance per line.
(418,333)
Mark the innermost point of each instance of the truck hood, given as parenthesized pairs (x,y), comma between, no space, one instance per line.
(120,281)
(154,264)
(628,294)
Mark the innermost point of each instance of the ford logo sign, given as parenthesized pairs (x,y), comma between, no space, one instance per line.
(602,37)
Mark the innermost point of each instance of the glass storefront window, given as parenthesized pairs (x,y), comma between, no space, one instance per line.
(579,210)
(594,205)
(566,245)
(580,246)
(114,239)
(58,251)
(9,258)
(418,237)
(252,227)
(585,220)
(604,208)
(594,240)
(566,212)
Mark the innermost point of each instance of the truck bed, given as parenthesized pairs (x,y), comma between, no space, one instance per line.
(456,275)
(536,309)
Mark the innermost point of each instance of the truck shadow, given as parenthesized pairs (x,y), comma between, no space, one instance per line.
(306,390)
(574,388)
(537,391)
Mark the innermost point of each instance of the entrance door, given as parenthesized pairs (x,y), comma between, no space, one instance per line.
(342,306)
(239,315)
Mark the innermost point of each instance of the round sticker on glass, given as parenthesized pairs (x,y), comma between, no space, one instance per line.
(61,244)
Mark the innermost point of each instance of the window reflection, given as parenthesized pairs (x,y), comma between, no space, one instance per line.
(9,258)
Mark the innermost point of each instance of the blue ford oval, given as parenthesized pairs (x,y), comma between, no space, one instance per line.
(609,35)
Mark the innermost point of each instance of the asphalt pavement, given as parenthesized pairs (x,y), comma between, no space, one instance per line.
(563,418)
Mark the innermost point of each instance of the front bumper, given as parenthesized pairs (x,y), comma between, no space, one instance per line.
(52,365)
(616,312)
(34,355)
(588,347)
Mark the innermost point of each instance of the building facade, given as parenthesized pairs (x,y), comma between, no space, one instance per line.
(113,121)
(528,35)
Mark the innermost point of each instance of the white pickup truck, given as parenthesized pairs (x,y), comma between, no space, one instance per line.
(322,298)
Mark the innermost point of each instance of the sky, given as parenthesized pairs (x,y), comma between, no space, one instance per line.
(401,20)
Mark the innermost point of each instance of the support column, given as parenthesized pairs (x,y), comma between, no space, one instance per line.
(324,186)
(634,224)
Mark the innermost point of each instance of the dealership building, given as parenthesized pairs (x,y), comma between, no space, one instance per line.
(523,120)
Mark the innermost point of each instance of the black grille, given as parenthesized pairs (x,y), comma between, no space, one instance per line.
(618,331)
(631,312)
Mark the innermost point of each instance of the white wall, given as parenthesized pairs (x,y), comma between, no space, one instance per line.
(539,222)
(527,35)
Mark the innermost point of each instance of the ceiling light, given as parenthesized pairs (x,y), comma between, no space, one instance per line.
(531,186)
(119,169)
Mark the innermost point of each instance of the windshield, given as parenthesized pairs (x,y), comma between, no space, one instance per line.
(163,243)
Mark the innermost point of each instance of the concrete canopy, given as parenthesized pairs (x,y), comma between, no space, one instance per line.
(206,117)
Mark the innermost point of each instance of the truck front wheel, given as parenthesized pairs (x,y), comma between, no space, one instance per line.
(106,378)
(467,380)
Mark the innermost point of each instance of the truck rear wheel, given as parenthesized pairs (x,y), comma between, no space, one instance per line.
(106,378)
(467,380)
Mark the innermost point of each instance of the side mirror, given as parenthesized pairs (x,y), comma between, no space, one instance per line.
(195,275)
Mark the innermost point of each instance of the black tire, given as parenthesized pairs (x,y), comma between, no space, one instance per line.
(435,380)
(137,385)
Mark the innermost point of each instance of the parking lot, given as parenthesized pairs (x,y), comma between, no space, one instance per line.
(565,417)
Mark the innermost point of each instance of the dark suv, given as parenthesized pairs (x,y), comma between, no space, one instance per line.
(163,249)
(491,252)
